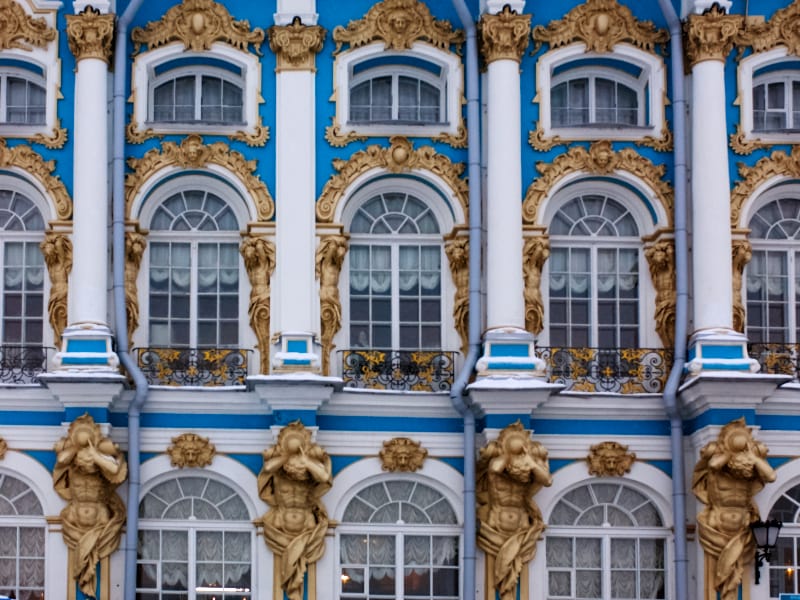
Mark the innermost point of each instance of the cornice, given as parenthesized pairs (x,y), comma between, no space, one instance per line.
(296,45)
(90,34)
(504,36)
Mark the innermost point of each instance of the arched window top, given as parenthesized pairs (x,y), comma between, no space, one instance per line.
(198,94)
(777,220)
(605,505)
(394,213)
(17,498)
(594,215)
(592,95)
(191,497)
(19,213)
(400,501)
(194,210)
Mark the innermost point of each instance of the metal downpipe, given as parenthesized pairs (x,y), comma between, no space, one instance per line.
(681,303)
(457,394)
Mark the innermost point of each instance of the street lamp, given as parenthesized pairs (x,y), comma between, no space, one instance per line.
(766,535)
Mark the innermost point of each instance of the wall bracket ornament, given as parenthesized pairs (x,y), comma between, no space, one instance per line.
(90,34)
(32,164)
(295,45)
(259,260)
(56,141)
(402,454)
(535,253)
(20,30)
(504,36)
(610,459)
(457,251)
(57,252)
(135,243)
(710,36)
(776,165)
(191,450)
(741,253)
(661,261)
(328,265)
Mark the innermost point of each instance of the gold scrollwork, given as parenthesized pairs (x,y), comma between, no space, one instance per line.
(402,454)
(259,260)
(661,261)
(90,34)
(504,35)
(741,253)
(17,27)
(255,139)
(56,141)
(191,450)
(457,250)
(777,164)
(135,243)
(337,139)
(782,29)
(538,140)
(193,153)
(599,159)
(534,254)
(57,252)
(3,448)
(601,25)
(610,459)
(198,24)
(328,266)
(457,140)
(296,45)
(710,36)
(31,163)
(398,23)
(742,145)
(400,157)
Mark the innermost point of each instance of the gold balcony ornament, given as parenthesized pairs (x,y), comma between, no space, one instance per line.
(90,34)
(661,261)
(135,243)
(610,459)
(57,252)
(296,45)
(296,474)
(504,36)
(710,36)
(730,472)
(89,467)
(534,254)
(259,260)
(21,31)
(402,454)
(510,470)
(191,450)
(3,448)
(328,265)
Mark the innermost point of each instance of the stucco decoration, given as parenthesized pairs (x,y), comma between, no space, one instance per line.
(3,448)
(402,454)
(400,157)
(710,36)
(57,253)
(534,254)
(337,139)
(255,139)
(599,159)
(610,459)
(510,470)
(398,24)
(328,265)
(457,251)
(661,261)
(90,34)
(296,45)
(192,153)
(741,253)
(259,260)
(539,141)
(778,164)
(601,25)
(782,29)
(296,474)
(56,141)
(88,469)
(197,24)
(32,164)
(504,36)
(135,243)
(730,472)
(191,450)
(20,30)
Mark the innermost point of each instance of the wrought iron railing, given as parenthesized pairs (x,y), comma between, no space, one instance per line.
(193,366)
(409,370)
(776,359)
(615,370)
(22,364)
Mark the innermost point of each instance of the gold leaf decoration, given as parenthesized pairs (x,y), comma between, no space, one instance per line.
(328,265)
(777,164)
(56,141)
(538,140)
(661,261)
(337,139)
(402,454)
(90,34)
(710,36)
(57,252)
(534,254)
(20,30)
(296,45)
(504,35)
(135,243)
(457,251)
(191,450)
(31,163)
(457,140)
(782,29)
(3,448)
(743,145)
(610,459)
(259,260)
(741,253)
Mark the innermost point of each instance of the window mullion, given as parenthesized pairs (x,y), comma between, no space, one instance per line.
(191,566)
(592,83)
(395,297)
(193,287)
(791,272)
(593,298)
(4,98)
(395,97)
(399,580)
(605,566)
(198,97)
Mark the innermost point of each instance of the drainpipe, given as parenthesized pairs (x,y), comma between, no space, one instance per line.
(458,392)
(681,303)
(118,245)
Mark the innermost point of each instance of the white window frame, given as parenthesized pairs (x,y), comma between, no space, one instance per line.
(197,73)
(592,75)
(652,80)
(787,78)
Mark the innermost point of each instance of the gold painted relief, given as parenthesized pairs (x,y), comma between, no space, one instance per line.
(56,141)
(457,251)
(661,261)
(259,260)
(504,36)
(257,138)
(610,459)
(192,153)
(777,165)
(3,448)
(191,450)
(730,472)
(400,157)
(741,252)
(782,29)
(57,253)
(31,163)
(742,145)
(534,254)
(296,45)
(21,31)
(402,454)
(328,265)
(295,475)
(90,34)
(89,467)
(710,36)
(510,470)
(135,243)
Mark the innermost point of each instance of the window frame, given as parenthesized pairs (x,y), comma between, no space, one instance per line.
(592,75)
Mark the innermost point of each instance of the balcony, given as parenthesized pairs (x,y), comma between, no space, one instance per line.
(776,359)
(205,367)
(23,364)
(398,370)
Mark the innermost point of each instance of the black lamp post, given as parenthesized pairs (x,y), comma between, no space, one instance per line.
(766,535)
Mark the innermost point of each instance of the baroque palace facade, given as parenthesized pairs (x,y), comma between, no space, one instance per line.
(431,299)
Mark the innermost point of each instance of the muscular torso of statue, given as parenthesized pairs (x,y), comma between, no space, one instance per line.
(726,511)
(508,511)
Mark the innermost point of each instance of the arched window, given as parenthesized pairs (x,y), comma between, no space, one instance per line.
(22,540)
(196,541)
(776,101)
(399,538)
(604,541)
(596,97)
(198,95)
(22,97)
(785,561)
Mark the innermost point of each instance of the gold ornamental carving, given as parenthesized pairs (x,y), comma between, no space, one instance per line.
(600,159)
(57,252)
(89,467)
(782,29)
(296,45)
(710,36)
(32,164)
(328,265)
(197,24)
(741,253)
(3,448)
(191,450)
(259,260)
(776,165)
(295,475)
(402,454)
(510,470)
(55,141)
(730,472)
(135,243)
(601,25)
(610,459)
(539,141)
(192,153)
(400,157)
(534,254)
(90,34)
(398,24)
(741,144)
(337,139)
(21,31)
(504,36)
(257,138)
(661,262)
(457,251)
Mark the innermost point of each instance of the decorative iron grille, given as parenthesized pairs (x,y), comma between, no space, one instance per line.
(22,364)
(409,370)
(776,359)
(615,370)
(193,366)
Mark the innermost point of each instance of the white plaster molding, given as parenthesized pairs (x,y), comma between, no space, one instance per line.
(355,402)
(564,447)
(734,390)
(32,437)
(602,406)
(289,9)
(370,443)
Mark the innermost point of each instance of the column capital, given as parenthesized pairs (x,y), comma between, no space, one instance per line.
(90,34)
(710,36)
(296,45)
(504,35)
